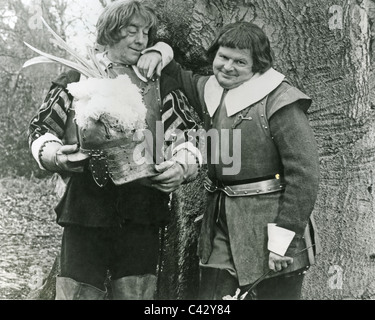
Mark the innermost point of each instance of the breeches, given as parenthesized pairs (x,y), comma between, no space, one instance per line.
(88,254)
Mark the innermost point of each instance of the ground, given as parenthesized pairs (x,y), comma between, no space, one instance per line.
(29,235)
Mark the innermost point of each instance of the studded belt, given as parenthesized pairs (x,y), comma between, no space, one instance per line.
(247,189)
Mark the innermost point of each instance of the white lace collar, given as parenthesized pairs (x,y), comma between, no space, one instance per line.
(242,96)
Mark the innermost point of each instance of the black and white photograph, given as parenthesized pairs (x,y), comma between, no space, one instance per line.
(200,151)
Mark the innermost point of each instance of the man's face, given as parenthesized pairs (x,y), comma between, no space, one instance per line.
(232,67)
(135,39)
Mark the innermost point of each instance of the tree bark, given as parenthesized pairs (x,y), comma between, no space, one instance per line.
(324,49)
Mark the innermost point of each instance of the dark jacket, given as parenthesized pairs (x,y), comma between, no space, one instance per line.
(84,202)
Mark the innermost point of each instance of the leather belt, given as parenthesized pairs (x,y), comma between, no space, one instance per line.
(247,189)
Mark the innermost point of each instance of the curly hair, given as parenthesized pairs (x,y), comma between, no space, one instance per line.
(245,35)
(119,14)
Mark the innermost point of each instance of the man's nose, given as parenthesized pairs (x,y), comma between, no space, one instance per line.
(140,38)
(228,65)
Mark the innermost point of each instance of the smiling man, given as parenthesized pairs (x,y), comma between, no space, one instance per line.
(132,37)
(232,67)
(259,219)
(109,227)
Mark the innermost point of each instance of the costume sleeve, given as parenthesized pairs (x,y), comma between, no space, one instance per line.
(49,122)
(189,97)
(164,49)
(297,147)
(191,84)
(178,121)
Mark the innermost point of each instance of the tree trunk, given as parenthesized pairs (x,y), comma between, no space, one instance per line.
(324,49)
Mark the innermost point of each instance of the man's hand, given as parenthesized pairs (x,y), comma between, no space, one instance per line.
(277,262)
(150,62)
(68,158)
(171,177)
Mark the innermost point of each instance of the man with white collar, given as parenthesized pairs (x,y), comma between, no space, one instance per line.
(110,227)
(260,218)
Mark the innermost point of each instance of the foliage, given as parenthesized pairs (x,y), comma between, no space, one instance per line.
(23,90)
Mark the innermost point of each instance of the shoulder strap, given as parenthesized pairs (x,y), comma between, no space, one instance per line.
(286,94)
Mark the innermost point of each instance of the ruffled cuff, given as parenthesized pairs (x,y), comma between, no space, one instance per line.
(279,239)
(184,152)
(190,158)
(38,144)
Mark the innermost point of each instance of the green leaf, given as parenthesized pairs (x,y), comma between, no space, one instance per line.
(37,60)
(82,69)
(90,69)
(62,44)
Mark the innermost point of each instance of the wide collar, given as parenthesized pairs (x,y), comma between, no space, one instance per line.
(107,64)
(239,98)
